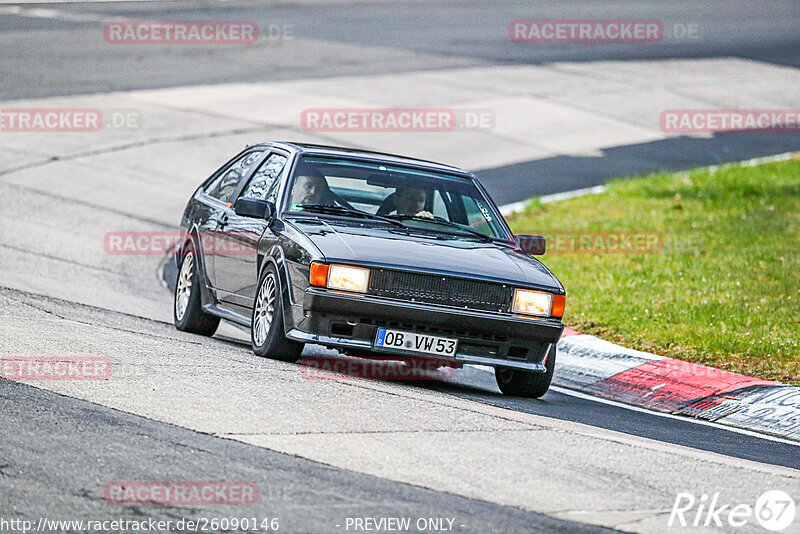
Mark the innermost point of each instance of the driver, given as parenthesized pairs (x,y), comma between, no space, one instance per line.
(309,187)
(411,201)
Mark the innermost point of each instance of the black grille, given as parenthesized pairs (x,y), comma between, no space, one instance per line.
(441,290)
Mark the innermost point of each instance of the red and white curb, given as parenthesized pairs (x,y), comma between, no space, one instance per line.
(594,366)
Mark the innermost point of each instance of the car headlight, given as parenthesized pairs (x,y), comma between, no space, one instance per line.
(538,303)
(345,277)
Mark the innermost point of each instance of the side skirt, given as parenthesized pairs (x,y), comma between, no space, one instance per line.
(228,315)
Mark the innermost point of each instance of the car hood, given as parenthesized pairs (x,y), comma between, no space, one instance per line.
(378,245)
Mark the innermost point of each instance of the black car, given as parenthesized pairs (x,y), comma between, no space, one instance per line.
(372,254)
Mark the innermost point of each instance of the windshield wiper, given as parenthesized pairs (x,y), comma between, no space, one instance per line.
(443,222)
(342,210)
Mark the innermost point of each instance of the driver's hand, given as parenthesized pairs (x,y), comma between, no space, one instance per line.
(427,214)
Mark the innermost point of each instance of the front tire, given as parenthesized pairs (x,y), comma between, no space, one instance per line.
(187,309)
(267,333)
(519,383)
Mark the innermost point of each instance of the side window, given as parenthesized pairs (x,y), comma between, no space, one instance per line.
(224,185)
(264,183)
(478,215)
(439,208)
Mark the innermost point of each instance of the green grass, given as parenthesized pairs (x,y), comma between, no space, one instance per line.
(723,291)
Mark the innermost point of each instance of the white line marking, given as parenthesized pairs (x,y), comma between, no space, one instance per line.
(42,13)
(743,431)
(755,161)
(515,207)
(614,512)
(557,197)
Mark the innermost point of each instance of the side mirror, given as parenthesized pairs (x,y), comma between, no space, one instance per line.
(254,207)
(530,244)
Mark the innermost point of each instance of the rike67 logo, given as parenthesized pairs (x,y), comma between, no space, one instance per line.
(774,510)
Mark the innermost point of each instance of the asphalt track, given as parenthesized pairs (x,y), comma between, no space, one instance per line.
(58,451)
(479,385)
(51,477)
(60,54)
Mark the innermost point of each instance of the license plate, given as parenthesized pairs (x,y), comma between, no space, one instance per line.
(413,342)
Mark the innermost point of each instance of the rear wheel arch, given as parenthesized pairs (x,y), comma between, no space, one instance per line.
(187,309)
(190,239)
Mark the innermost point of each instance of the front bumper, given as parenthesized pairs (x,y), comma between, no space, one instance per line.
(348,321)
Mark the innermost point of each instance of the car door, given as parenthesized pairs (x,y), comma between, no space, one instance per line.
(217,196)
(237,239)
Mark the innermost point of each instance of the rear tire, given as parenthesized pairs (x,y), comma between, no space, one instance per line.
(519,383)
(187,308)
(267,333)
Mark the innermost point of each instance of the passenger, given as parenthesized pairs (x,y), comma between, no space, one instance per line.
(411,201)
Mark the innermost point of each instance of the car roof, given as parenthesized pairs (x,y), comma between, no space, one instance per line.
(308,148)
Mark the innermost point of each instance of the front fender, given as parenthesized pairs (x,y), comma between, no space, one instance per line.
(291,252)
(275,257)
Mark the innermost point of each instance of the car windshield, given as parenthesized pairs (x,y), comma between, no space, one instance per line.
(419,198)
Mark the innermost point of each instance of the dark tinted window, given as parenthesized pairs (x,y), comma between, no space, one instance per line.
(224,185)
(264,183)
